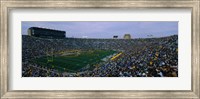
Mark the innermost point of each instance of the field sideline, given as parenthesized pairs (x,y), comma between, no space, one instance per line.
(73,63)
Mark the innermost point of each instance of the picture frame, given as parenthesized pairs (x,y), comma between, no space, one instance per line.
(8,5)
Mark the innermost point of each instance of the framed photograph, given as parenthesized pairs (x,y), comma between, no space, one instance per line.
(100,49)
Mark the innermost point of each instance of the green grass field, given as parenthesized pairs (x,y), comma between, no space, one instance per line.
(73,63)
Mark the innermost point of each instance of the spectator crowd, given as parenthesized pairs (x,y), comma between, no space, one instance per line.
(148,57)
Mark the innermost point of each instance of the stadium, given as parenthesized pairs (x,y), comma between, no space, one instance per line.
(56,56)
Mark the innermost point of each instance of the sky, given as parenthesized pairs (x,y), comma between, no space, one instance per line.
(101,29)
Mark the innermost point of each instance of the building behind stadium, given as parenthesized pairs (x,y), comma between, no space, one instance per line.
(127,36)
(45,33)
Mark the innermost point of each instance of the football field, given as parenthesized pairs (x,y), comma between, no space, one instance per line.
(73,63)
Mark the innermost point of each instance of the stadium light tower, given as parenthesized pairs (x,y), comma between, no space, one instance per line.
(115,37)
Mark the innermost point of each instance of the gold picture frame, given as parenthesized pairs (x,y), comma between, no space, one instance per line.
(7,5)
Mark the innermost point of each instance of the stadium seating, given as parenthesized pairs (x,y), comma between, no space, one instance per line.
(150,57)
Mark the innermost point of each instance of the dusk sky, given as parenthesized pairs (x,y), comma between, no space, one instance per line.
(107,29)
